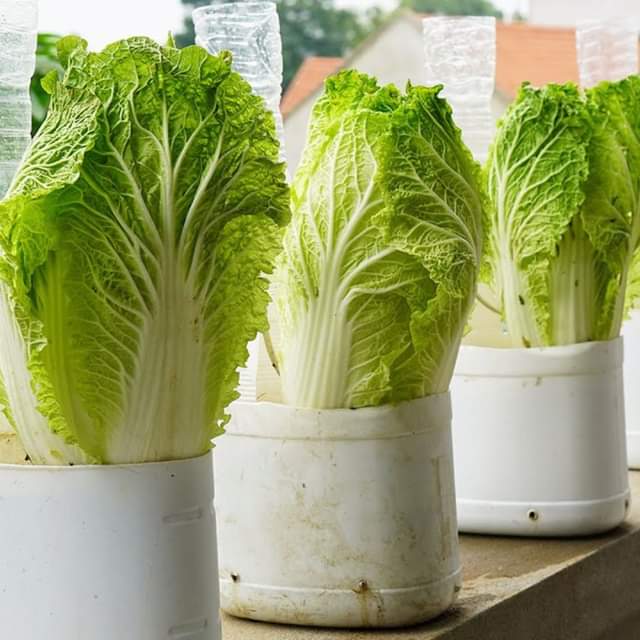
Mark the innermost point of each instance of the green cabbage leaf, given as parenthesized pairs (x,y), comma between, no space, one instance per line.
(136,238)
(381,258)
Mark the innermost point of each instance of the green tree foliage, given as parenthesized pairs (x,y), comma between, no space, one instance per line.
(455,7)
(309,27)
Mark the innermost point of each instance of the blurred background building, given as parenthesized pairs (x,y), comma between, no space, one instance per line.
(394,53)
(535,40)
(559,13)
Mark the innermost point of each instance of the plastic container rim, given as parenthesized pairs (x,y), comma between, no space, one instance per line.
(93,468)
(413,417)
(575,359)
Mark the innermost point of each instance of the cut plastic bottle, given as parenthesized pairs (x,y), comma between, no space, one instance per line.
(607,50)
(251,32)
(460,54)
(18,40)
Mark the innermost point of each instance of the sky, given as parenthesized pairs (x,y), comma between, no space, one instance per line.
(508,6)
(103,21)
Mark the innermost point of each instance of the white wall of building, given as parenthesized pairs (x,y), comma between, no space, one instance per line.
(568,13)
(395,56)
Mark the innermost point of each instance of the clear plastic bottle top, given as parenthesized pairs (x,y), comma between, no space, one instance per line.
(461,55)
(251,32)
(21,15)
(18,40)
(607,50)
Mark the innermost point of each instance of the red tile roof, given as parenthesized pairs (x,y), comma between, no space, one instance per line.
(310,77)
(524,53)
(539,55)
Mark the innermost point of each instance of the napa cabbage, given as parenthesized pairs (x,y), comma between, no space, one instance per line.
(563,225)
(135,241)
(381,258)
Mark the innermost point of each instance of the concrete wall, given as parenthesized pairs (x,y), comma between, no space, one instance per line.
(568,12)
(394,56)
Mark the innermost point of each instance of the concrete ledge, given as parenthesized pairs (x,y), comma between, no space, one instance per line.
(522,589)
